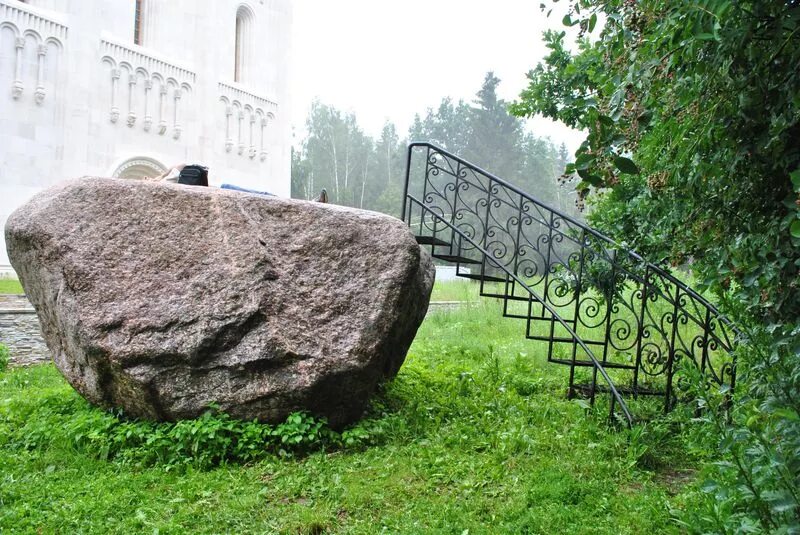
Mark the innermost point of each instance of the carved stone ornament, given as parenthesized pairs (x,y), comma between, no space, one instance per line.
(176,133)
(114,114)
(228,145)
(148,122)
(39,95)
(131,119)
(16,89)
(162,128)
(263,155)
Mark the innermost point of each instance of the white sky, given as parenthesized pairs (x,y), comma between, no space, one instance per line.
(386,59)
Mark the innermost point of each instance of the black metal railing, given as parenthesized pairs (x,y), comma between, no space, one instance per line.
(597,305)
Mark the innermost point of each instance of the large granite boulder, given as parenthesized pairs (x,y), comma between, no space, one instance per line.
(161,299)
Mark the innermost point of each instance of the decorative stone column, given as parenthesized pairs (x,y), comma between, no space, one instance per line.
(114,116)
(263,152)
(251,152)
(148,119)
(162,117)
(131,99)
(176,129)
(17,85)
(39,93)
(228,138)
(240,149)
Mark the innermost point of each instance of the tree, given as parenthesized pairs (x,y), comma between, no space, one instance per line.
(693,152)
(448,127)
(334,156)
(387,185)
(496,140)
(362,172)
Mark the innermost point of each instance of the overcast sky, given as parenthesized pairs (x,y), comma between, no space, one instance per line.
(387,59)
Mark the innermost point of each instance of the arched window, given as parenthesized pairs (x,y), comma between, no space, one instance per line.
(138,22)
(244,24)
(138,168)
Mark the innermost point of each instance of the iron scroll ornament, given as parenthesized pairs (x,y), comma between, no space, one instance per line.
(592,292)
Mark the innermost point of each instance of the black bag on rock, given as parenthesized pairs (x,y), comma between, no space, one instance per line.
(194,175)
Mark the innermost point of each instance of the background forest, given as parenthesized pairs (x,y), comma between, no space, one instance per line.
(357,170)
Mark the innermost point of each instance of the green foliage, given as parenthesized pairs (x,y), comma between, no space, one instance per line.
(213,439)
(693,118)
(754,487)
(693,151)
(4,357)
(467,437)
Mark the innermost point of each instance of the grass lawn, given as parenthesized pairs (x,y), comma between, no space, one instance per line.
(10,286)
(457,290)
(474,436)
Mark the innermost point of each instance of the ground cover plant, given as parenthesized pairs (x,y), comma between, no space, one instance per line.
(474,434)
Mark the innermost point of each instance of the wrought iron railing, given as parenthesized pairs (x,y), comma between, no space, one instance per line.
(596,304)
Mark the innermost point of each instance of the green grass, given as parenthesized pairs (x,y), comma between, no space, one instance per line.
(10,286)
(457,290)
(475,433)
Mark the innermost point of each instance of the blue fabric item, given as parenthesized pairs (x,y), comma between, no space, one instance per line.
(237,188)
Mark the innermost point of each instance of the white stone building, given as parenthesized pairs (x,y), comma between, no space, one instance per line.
(124,88)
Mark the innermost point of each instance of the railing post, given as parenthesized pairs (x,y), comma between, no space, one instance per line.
(405,186)
(455,206)
(640,334)
(576,316)
(706,329)
(485,241)
(610,303)
(547,285)
(671,354)
(510,280)
(424,193)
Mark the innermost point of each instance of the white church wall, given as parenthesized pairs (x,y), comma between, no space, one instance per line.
(78,97)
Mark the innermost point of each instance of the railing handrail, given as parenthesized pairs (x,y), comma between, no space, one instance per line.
(648,265)
(556,316)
